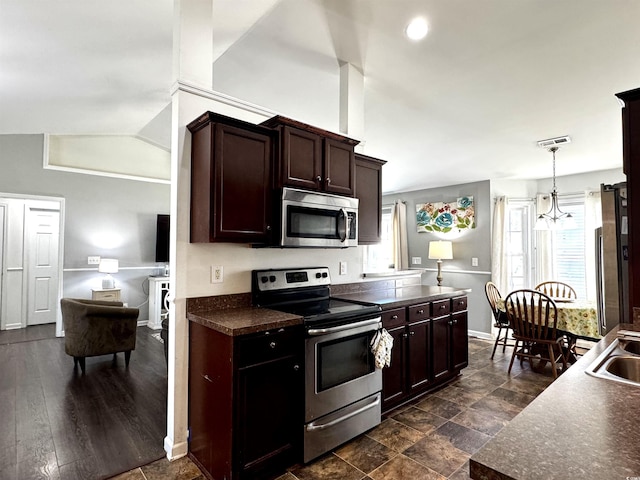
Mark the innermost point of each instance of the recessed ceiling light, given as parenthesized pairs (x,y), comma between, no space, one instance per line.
(417,29)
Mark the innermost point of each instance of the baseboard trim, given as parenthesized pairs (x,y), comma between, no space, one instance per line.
(175,451)
(481,335)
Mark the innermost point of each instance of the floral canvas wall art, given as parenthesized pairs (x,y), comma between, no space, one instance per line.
(444,217)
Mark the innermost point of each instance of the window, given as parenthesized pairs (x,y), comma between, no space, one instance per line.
(379,258)
(568,247)
(519,244)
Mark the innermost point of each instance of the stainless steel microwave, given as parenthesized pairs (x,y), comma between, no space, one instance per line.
(312,219)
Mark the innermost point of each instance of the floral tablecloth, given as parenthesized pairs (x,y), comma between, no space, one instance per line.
(579,317)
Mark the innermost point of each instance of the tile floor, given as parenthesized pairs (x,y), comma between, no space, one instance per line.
(431,439)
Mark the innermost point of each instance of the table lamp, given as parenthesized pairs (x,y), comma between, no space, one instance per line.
(108,266)
(440,250)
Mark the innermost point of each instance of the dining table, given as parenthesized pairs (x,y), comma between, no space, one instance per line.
(576,317)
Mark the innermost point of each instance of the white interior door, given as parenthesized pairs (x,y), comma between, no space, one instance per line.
(43,227)
(2,214)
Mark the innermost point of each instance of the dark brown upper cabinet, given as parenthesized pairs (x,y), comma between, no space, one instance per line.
(369,193)
(231,180)
(312,158)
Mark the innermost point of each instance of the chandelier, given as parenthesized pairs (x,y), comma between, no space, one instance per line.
(555,218)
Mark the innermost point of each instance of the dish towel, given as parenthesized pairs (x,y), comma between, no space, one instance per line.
(381,346)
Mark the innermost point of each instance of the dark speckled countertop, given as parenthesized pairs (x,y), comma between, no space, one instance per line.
(580,427)
(244,320)
(405,296)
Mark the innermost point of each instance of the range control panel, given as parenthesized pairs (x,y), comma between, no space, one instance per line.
(279,279)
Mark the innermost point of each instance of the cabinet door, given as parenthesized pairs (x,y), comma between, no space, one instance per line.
(242,185)
(269,416)
(441,346)
(419,346)
(339,167)
(369,192)
(210,399)
(459,341)
(393,377)
(301,162)
(230,181)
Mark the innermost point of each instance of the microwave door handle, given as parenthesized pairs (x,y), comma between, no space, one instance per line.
(342,224)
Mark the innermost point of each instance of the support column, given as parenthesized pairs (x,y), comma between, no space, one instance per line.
(352,102)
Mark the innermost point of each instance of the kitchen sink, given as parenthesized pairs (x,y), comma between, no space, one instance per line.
(625,367)
(620,362)
(630,346)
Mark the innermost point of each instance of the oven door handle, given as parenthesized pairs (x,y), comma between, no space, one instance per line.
(341,328)
(343,227)
(321,426)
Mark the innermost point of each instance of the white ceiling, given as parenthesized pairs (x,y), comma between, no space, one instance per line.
(465,104)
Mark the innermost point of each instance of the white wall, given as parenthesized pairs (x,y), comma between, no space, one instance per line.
(582,182)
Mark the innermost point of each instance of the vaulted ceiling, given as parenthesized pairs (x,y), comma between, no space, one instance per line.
(467,103)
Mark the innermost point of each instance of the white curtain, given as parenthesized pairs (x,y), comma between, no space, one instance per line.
(400,244)
(592,220)
(499,273)
(544,257)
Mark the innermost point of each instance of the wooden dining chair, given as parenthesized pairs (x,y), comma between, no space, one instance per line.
(532,315)
(557,289)
(501,322)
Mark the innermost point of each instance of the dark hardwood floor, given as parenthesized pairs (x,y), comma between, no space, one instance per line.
(59,424)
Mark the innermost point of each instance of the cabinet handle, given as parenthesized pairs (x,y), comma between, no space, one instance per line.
(272,344)
(412,333)
(455,322)
(450,322)
(206,377)
(268,228)
(442,307)
(394,317)
(420,312)
(296,367)
(405,335)
(328,180)
(318,179)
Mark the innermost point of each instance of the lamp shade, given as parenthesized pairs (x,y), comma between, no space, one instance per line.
(108,265)
(440,250)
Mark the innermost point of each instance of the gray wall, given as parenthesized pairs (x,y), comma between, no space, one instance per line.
(95,209)
(472,243)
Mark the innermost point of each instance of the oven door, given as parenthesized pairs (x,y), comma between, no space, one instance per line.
(340,368)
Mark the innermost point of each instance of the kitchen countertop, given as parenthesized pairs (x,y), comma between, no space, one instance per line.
(405,296)
(580,427)
(244,320)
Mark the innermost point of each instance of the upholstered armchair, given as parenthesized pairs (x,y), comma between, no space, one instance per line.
(93,327)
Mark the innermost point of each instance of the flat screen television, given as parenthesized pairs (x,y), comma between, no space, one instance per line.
(162,238)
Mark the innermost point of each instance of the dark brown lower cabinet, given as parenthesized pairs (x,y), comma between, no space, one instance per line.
(428,350)
(245,402)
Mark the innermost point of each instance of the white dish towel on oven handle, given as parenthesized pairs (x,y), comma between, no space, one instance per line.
(381,346)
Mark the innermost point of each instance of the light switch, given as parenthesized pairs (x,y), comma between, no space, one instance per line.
(416,260)
(474,261)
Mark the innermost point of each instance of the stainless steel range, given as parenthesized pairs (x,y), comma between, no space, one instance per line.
(342,383)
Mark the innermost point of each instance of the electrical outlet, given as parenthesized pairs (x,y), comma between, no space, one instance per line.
(217,274)
(416,260)
(343,268)
(474,261)
(93,260)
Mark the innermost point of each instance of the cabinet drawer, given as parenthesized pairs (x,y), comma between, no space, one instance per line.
(458,304)
(265,346)
(419,312)
(112,295)
(393,318)
(440,308)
